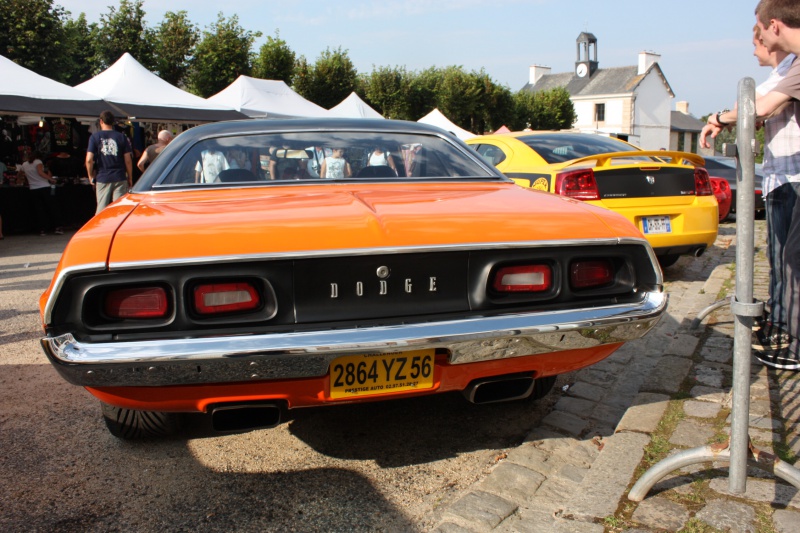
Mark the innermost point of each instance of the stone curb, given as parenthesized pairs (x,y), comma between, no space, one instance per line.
(572,473)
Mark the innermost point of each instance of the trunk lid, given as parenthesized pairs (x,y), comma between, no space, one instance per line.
(274,220)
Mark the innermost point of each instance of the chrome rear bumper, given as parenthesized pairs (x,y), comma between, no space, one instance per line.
(308,354)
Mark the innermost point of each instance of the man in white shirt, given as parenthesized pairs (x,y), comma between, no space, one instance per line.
(212,163)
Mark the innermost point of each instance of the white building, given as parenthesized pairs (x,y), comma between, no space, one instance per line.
(632,103)
(685,131)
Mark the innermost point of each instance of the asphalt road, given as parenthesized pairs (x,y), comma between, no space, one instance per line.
(385,466)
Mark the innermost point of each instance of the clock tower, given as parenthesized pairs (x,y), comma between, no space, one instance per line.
(586,60)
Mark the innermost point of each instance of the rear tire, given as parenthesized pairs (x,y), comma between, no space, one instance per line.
(668,260)
(130,424)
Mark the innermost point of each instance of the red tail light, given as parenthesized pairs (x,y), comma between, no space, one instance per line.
(721,187)
(219,298)
(702,185)
(591,273)
(140,302)
(523,278)
(578,184)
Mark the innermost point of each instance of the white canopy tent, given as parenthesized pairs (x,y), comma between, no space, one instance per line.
(437,118)
(354,107)
(259,98)
(23,92)
(143,96)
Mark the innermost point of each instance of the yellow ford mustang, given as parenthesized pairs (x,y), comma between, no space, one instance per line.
(671,203)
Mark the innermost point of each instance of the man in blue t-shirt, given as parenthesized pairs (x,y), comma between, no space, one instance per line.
(111,151)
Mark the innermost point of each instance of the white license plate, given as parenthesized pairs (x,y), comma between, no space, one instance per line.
(656,225)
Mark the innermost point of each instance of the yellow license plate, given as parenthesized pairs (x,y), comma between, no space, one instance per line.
(371,374)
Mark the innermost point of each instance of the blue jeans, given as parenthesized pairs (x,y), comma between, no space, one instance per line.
(779,205)
(791,275)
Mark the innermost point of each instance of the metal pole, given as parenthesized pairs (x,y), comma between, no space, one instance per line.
(743,328)
(737,451)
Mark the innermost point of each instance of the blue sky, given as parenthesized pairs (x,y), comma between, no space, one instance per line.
(705,46)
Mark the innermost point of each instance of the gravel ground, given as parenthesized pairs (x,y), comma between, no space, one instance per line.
(385,466)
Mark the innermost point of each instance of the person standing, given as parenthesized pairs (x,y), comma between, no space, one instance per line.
(211,163)
(152,151)
(779,21)
(111,151)
(380,158)
(40,182)
(317,156)
(781,142)
(335,166)
(779,24)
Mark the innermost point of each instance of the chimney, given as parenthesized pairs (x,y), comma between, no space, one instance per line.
(537,71)
(646,59)
(682,106)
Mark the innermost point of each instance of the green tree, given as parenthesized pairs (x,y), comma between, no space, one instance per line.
(81,62)
(497,106)
(32,35)
(275,60)
(473,100)
(544,110)
(759,157)
(386,89)
(422,92)
(174,42)
(458,95)
(124,30)
(302,81)
(221,56)
(330,81)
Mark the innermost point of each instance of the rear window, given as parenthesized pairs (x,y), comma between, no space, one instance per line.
(562,147)
(317,156)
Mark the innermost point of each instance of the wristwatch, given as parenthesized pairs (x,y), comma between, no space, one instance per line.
(719,121)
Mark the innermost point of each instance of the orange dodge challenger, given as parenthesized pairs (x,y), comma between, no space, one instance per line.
(235,281)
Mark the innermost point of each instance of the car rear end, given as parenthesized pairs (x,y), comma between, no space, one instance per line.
(667,195)
(260,292)
(672,205)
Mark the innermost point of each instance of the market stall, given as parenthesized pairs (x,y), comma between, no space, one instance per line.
(144,97)
(259,98)
(37,113)
(354,107)
(437,118)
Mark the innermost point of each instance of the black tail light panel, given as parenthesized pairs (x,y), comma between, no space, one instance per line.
(358,290)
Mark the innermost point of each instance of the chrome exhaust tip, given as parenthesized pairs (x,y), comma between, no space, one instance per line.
(500,389)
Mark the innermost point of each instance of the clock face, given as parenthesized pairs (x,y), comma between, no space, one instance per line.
(581,70)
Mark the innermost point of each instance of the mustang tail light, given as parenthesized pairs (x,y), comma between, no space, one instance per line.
(523,278)
(138,302)
(578,184)
(220,298)
(591,273)
(702,185)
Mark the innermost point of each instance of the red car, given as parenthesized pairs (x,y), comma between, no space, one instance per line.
(723,194)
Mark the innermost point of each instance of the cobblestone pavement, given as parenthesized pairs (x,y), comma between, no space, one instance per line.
(664,393)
